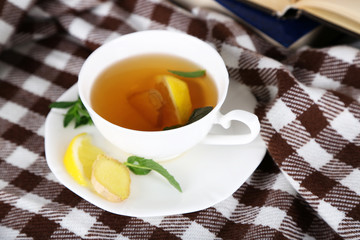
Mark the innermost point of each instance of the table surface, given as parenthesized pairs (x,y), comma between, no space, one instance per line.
(308,104)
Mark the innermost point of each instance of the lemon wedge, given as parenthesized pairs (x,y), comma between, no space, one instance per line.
(79,158)
(110,178)
(177,105)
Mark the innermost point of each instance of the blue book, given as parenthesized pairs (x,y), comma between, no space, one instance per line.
(284,30)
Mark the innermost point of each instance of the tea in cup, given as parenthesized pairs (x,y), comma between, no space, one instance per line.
(157,94)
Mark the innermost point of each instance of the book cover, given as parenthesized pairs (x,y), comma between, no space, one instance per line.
(284,30)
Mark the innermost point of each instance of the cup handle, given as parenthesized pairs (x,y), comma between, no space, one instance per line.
(249,119)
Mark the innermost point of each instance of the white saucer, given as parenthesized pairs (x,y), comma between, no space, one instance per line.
(207,174)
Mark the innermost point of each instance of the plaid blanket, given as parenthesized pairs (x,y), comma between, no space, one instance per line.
(308,102)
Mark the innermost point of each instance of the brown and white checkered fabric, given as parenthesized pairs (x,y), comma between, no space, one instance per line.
(307,186)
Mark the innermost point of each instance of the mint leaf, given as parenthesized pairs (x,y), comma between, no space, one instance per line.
(61,104)
(194,74)
(67,119)
(199,113)
(172,127)
(77,112)
(133,163)
(142,166)
(81,120)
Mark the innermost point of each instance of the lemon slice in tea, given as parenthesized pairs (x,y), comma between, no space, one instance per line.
(177,105)
(148,104)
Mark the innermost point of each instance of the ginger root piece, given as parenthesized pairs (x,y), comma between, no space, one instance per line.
(110,178)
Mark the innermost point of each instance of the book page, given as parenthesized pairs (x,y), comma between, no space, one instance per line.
(347,8)
(344,13)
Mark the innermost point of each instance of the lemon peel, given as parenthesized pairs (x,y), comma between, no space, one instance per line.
(79,158)
(177,106)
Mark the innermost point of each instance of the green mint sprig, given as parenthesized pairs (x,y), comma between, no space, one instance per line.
(197,114)
(143,166)
(194,74)
(77,112)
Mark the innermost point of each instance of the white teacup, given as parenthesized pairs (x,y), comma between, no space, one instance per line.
(160,145)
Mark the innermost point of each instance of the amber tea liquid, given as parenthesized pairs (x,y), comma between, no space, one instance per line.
(111,90)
